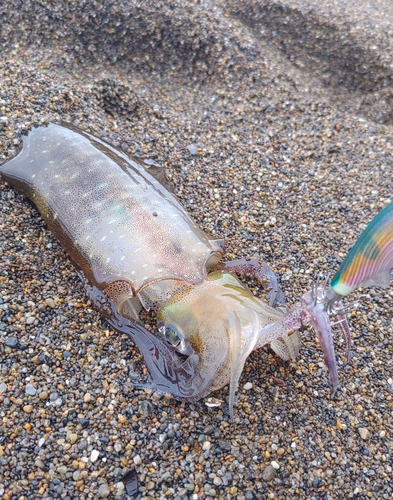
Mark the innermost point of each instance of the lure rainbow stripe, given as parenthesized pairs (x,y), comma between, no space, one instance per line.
(369,261)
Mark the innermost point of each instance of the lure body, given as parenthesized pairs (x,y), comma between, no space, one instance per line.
(369,261)
(136,247)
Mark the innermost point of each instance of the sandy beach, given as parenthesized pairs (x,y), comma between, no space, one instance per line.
(290,109)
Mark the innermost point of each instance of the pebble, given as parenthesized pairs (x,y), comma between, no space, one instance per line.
(39,463)
(247,386)
(12,342)
(31,390)
(103,490)
(193,150)
(50,303)
(364,433)
(269,473)
(137,459)
(3,121)
(43,395)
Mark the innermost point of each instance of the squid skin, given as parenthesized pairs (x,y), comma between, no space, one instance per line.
(135,248)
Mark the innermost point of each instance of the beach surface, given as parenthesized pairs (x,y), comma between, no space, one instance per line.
(289,107)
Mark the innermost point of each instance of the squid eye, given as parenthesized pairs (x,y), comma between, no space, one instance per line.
(170,335)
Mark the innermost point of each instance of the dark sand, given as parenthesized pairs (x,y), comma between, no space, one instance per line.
(291,110)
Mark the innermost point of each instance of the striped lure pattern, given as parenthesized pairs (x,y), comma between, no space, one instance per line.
(371,258)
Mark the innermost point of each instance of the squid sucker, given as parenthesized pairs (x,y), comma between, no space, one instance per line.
(135,247)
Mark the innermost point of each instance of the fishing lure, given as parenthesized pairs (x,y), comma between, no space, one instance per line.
(369,261)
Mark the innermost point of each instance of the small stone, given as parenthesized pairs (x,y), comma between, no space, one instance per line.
(269,473)
(84,422)
(137,460)
(87,397)
(12,342)
(3,387)
(43,395)
(247,386)
(36,360)
(103,490)
(94,455)
(31,390)
(50,303)
(224,445)
(119,489)
(275,465)
(206,445)
(73,437)
(150,485)
(364,433)
(3,121)
(39,463)
(30,320)
(82,445)
(28,408)
(62,469)
(192,149)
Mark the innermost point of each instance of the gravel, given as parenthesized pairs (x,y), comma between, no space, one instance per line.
(274,123)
